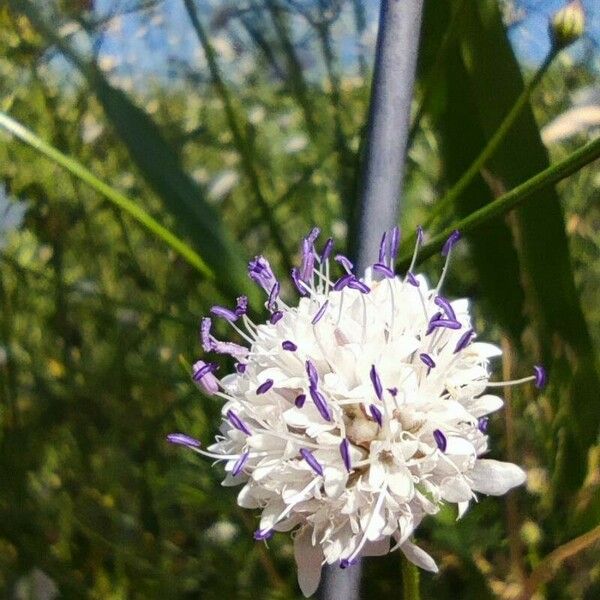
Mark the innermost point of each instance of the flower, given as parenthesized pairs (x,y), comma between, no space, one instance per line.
(356,413)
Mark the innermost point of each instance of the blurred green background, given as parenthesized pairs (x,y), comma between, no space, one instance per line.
(238,134)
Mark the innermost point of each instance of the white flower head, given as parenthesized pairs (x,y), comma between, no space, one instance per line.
(356,413)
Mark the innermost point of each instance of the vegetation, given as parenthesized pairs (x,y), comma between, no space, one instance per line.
(239,156)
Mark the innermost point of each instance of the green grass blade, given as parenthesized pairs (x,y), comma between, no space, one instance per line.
(125,204)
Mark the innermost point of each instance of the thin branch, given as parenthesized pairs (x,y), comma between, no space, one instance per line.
(236,131)
(505,203)
(546,569)
(120,200)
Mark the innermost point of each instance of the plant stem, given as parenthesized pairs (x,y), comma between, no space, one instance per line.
(546,178)
(124,203)
(410,580)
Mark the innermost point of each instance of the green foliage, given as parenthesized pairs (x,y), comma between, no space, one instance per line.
(97,314)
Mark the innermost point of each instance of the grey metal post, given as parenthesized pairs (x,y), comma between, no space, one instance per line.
(382,174)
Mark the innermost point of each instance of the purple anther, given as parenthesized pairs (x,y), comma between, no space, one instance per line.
(201,369)
(183,440)
(314,464)
(430,327)
(361,286)
(260,271)
(311,371)
(445,305)
(376,381)
(224,313)
(383,270)
(427,360)
(393,391)
(445,323)
(312,236)
(295,273)
(276,317)
(273,296)
(383,248)
(308,262)
(229,348)
(263,534)
(289,346)
(451,242)
(464,340)
(241,306)
(345,563)
(344,261)
(412,279)
(327,250)
(207,342)
(483,424)
(263,388)
(240,464)
(345,452)
(320,403)
(541,377)
(440,440)
(319,314)
(420,235)
(394,243)
(240,367)
(300,400)
(238,423)
(202,374)
(342,282)
(376,414)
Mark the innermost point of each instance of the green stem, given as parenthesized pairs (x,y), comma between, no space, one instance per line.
(410,580)
(118,199)
(490,148)
(546,178)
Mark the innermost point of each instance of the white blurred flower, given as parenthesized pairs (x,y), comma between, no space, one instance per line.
(356,413)
(295,143)
(222,184)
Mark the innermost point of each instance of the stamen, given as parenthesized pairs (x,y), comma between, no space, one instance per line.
(394,245)
(276,317)
(440,440)
(427,360)
(345,452)
(464,340)
(327,250)
(446,323)
(263,534)
(238,423)
(541,377)
(411,279)
(416,250)
(342,282)
(273,296)
(289,346)
(376,414)
(383,270)
(318,316)
(224,313)
(313,374)
(201,369)
(446,306)
(320,403)
(357,284)
(314,464)
(295,273)
(183,440)
(483,424)
(240,463)
(241,307)
(376,381)
(344,262)
(447,252)
(382,248)
(264,387)
(240,368)
(260,271)
(300,400)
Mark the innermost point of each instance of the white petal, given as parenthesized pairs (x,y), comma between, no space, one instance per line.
(308,559)
(419,557)
(484,349)
(247,498)
(401,484)
(459,446)
(335,481)
(494,477)
(462,509)
(484,405)
(380,548)
(455,489)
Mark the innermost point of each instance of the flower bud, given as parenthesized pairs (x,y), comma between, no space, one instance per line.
(567,25)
